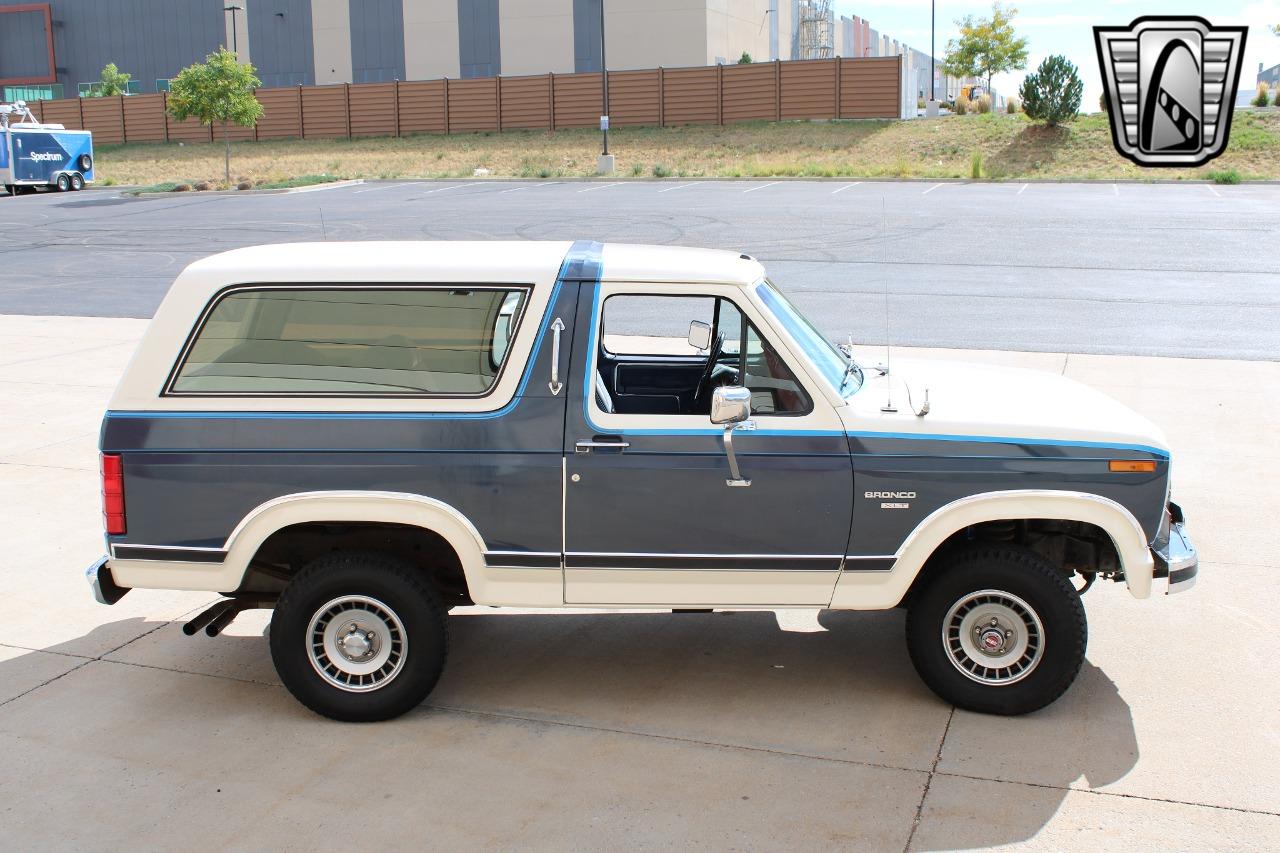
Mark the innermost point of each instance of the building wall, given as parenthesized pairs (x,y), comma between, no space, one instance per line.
(281,41)
(377,41)
(150,39)
(734,26)
(430,39)
(649,33)
(24,45)
(538,36)
(479,39)
(331,40)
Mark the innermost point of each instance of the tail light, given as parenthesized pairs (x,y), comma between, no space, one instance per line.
(113,493)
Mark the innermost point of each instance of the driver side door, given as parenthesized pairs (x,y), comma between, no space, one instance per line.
(650,515)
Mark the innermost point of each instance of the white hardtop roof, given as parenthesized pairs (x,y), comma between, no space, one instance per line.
(375,261)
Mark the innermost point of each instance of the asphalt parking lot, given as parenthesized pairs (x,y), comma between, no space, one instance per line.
(1158,269)
(746,730)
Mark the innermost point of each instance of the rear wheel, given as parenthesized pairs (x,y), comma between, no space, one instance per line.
(77,182)
(997,630)
(64,183)
(359,637)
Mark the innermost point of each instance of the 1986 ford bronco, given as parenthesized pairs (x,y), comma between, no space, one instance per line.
(365,435)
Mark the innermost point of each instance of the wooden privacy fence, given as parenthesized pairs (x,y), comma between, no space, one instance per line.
(719,94)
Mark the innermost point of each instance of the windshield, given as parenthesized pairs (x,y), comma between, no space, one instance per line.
(821,352)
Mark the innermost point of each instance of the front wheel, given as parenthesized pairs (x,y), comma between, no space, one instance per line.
(64,183)
(359,637)
(998,630)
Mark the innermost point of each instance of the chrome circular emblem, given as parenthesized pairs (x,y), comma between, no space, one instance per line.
(993,637)
(356,643)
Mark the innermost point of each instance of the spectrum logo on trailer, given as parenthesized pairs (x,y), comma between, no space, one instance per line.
(1170,84)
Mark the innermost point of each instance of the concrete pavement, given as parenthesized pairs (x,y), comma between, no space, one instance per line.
(1175,270)
(751,730)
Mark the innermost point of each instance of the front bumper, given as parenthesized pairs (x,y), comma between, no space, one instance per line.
(1175,556)
(105,588)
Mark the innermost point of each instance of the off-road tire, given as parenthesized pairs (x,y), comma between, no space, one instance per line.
(1021,574)
(394,584)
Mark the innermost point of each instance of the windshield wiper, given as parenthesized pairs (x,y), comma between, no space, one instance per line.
(851,366)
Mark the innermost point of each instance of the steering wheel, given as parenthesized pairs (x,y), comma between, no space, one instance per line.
(704,381)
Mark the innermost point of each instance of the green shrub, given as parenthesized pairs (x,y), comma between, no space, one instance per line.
(1260,100)
(1225,176)
(1052,92)
(1011,105)
(975,165)
(661,171)
(982,106)
(745,59)
(637,169)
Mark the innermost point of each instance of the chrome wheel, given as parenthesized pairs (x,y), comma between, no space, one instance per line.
(993,637)
(357,643)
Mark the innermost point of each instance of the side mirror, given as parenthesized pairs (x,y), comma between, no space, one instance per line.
(699,335)
(730,404)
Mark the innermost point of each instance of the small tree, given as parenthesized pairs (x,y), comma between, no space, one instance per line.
(114,81)
(745,59)
(987,46)
(219,89)
(1260,100)
(1052,92)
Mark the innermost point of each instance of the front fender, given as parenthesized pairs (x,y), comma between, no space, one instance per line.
(880,590)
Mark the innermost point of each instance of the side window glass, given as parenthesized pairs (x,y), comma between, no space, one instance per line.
(345,341)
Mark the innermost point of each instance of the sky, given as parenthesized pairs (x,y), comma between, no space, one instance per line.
(1057,26)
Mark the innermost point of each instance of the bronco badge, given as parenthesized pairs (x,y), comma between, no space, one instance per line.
(1170,85)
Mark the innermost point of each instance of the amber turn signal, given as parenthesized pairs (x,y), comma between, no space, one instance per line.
(1132,466)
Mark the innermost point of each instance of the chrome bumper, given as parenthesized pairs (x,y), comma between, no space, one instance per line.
(105,588)
(1176,558)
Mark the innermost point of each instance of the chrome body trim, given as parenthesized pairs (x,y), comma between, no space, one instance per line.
(555,384)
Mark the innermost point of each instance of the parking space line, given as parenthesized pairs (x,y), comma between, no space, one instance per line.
(845,187)
(379,187)
(1115,189)
(1022,189)
(762,186)
(672,189)
(442,189)
(931,189)
(1210,188)
(600,187)
(512,190)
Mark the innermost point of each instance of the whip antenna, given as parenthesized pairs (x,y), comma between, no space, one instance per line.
(884,267)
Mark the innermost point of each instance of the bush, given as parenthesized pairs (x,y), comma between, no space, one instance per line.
(637,169)
(1011,105)
(1052,92)
(745,59)
(661,171)
(1261,99)
(982,106)
(1102,102)
(1277,101)
(962,105)
(1225,176)
(975,165)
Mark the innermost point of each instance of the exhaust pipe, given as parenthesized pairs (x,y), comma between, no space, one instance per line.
(207,616)
(219,623)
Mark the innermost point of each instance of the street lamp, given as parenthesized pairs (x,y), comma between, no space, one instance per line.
(605,165)
(933,44)
(235,47)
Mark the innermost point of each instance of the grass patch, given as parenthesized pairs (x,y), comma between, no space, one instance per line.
(300,181)
(1008,147)
(1225,176)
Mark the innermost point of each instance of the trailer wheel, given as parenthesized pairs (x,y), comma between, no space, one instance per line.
(9,188)
(86,162)
(64,182)
(77,182)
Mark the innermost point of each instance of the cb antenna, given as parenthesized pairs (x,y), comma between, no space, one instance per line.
(324,232)
(884,267)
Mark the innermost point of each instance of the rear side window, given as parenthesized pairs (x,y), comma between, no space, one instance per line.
(366,341)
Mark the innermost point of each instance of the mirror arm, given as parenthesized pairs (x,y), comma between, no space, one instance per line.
(735,475)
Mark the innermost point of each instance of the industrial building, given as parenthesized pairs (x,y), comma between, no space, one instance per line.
(59,47)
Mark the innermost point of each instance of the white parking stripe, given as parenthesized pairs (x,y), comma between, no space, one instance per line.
(931,189)
(1115,189)
(600,187)
(1023,189)
(670,189)
(379,187)
(1210,188)
(845,187)
(513,190)
(442,189)
(762,186)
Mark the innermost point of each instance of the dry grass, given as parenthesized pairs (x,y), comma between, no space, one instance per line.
(1010,147)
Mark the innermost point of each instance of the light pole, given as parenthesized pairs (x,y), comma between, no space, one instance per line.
(605,164)
(933,44)
(235,47)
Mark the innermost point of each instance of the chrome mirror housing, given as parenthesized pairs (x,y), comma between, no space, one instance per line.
(730,404)
(699,335)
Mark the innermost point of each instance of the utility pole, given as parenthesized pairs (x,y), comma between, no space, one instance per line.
(933,44)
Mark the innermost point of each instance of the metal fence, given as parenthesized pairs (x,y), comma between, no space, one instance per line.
(719,94)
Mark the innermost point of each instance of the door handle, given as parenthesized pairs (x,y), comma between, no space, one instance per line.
(587,444)
(555,384)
